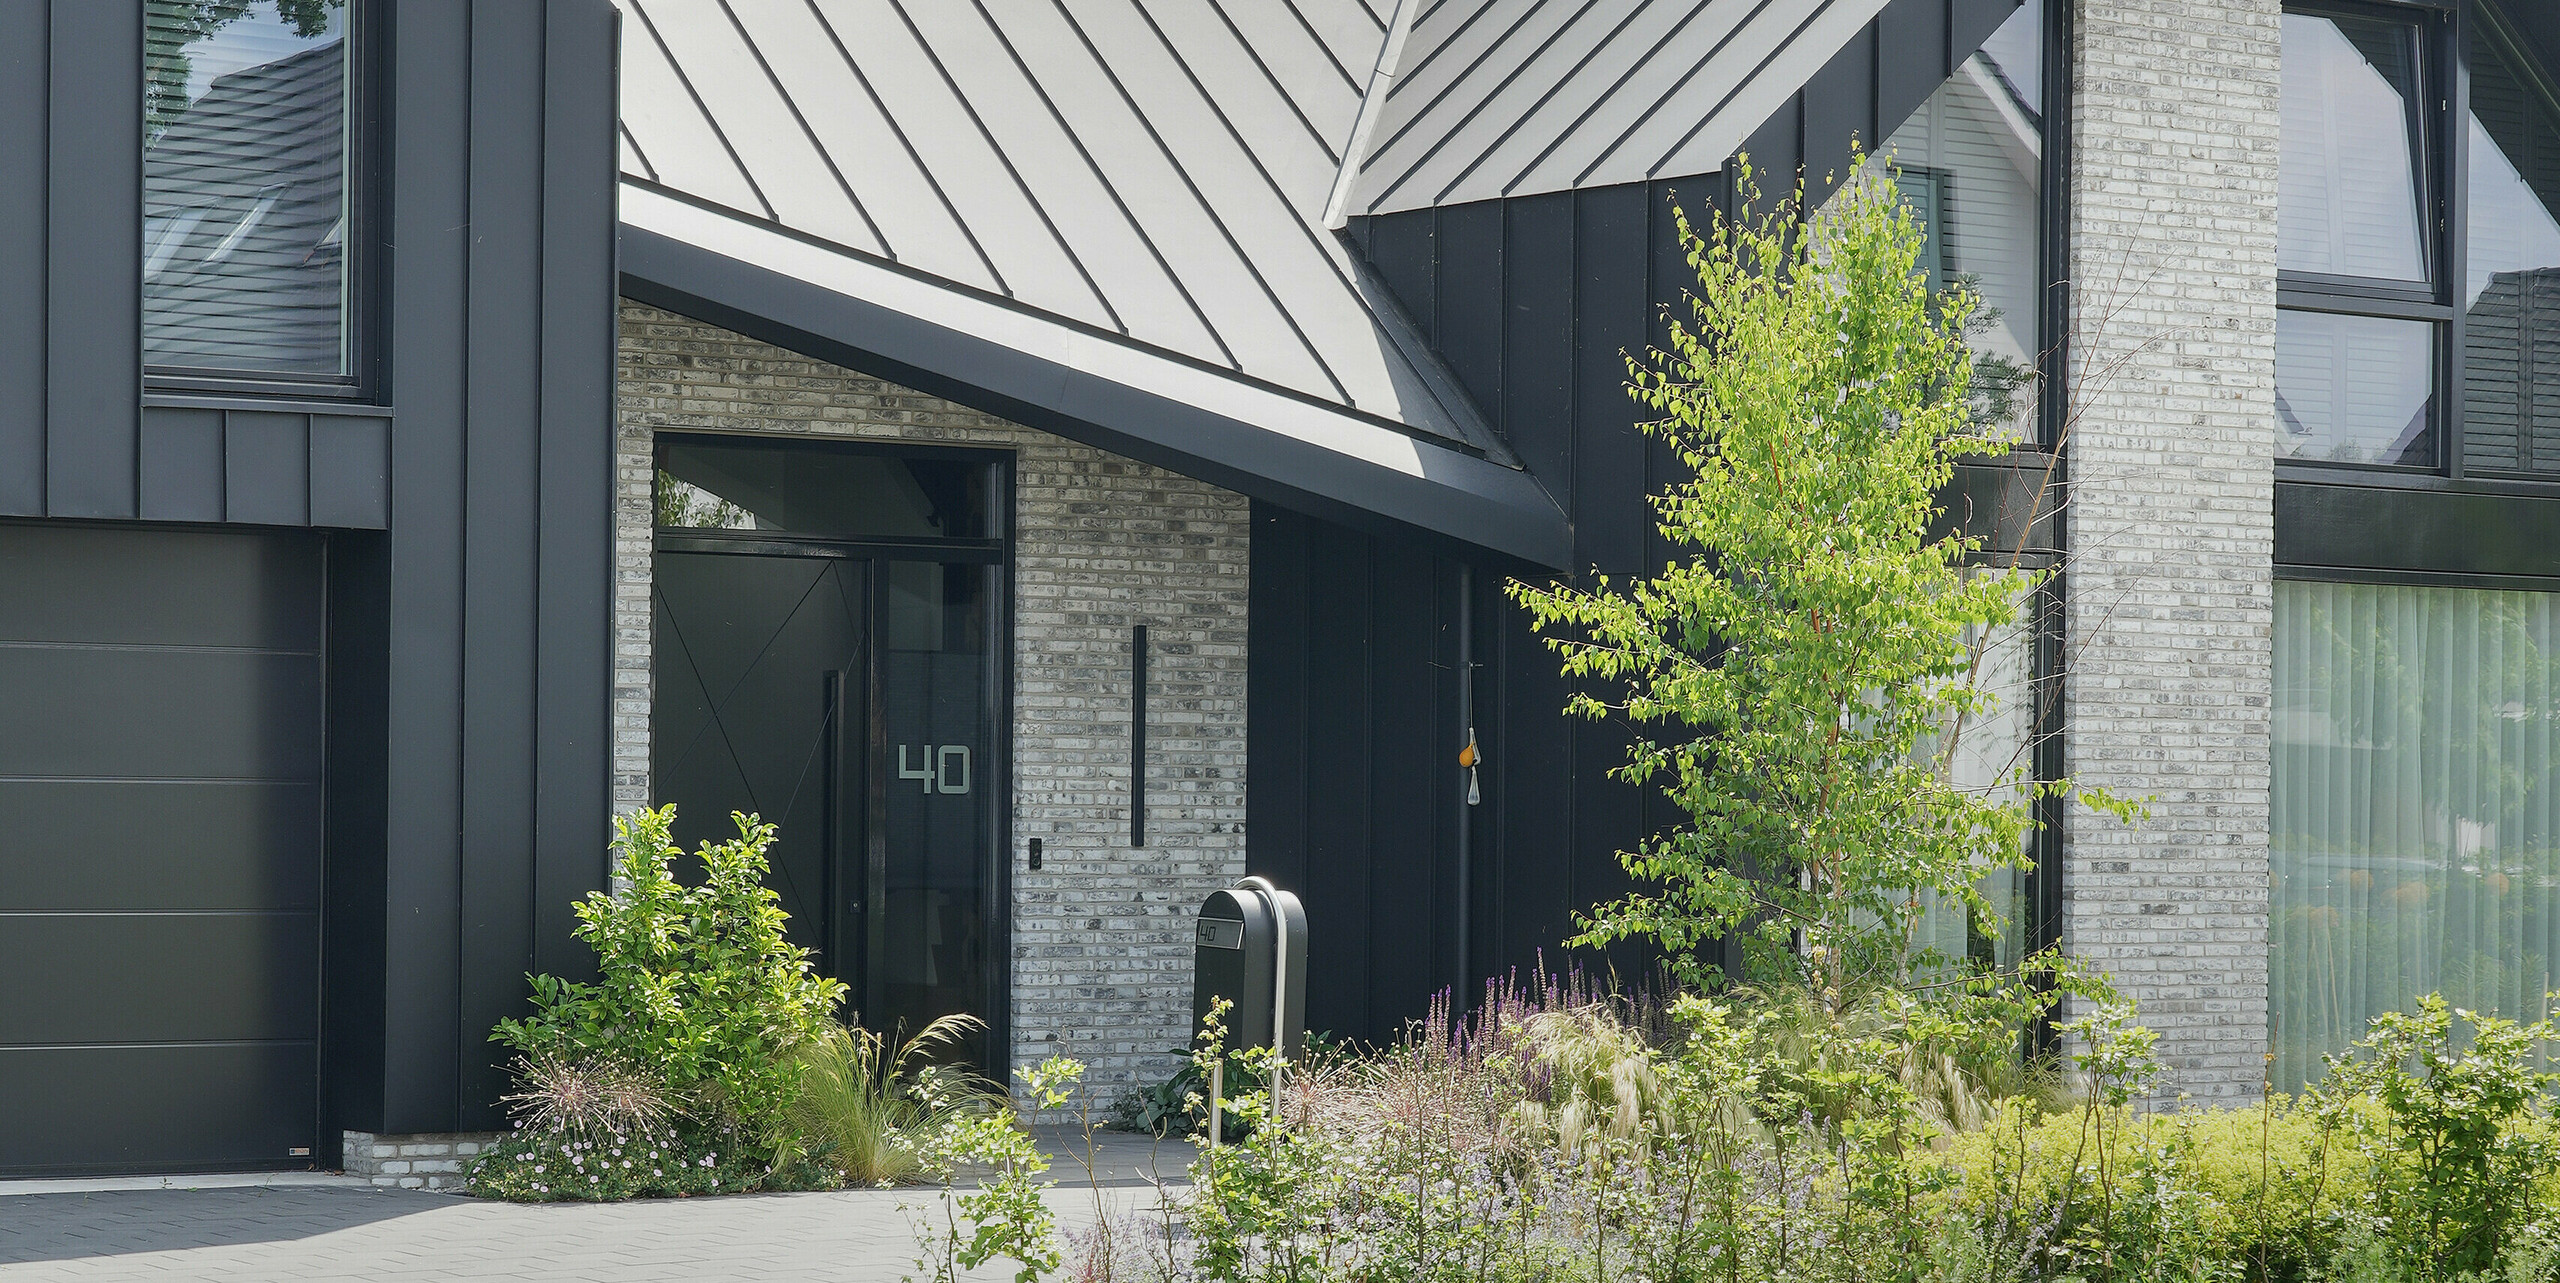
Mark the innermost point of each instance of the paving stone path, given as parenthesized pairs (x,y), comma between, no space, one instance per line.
(350,1231)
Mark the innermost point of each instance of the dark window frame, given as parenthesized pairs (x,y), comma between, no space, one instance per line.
(2451,26)
(2440,99)
(367,266)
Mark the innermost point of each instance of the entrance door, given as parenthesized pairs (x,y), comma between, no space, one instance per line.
(761,681)
(160,849)
(827,658)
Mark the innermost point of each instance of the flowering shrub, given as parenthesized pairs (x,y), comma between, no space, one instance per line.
(547,1165)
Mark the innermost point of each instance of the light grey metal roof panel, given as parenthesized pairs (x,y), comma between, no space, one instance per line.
(660,115)
(910,210)
(728,76)
(1152,168)
(1490,98)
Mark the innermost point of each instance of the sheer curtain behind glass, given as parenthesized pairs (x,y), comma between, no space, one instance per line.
(244,187)
(2413,809)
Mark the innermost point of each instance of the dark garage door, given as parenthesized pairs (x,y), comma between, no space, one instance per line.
(159,848)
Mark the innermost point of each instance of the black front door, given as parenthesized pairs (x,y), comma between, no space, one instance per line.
(827,658)
(761,675)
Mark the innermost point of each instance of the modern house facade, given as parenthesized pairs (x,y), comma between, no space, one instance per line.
(1056,458)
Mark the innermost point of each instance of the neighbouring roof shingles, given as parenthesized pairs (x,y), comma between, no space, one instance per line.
(1156,169)
(1494,98)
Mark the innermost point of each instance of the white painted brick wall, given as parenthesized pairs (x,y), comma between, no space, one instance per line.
(1101,936)
(2171,517)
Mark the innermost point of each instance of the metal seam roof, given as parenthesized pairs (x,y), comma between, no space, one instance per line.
(1153,168)
(1499,98)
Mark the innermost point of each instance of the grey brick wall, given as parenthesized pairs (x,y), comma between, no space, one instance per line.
(413,1162)
(2171,526)
(1101,936)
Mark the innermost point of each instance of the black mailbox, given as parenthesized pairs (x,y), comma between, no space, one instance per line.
(1252,951)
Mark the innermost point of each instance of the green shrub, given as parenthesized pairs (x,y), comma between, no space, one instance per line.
(696,985)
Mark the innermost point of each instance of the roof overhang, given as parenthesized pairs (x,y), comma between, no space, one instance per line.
(981,351)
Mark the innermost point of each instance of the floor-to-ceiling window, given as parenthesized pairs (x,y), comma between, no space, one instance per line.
(2418,397)
(1972,163)
(2413,808)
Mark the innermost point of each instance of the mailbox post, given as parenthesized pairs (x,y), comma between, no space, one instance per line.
(1251,949)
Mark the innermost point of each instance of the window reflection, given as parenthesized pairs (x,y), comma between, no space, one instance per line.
(2348,198)
(2355,389)
(244,187)
(819,490)
(1970,163)
(2511,344)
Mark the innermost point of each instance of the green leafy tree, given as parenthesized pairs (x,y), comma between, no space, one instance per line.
(1801,676)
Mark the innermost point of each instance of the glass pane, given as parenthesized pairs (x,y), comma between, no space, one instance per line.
(1991,752)
(2413,809)
(244,239)
(930,952)
(814,490)
(2355,389)
(1971,166)
(2348,201)
(2511,348)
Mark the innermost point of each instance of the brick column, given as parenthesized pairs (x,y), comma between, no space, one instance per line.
(2173,265)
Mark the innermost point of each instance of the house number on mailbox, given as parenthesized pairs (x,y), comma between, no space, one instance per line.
(937,772)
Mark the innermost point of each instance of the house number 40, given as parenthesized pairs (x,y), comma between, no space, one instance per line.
(937,772)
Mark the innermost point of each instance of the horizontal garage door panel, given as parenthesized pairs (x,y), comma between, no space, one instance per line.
(158,713)
(161,839)
(199,588)
(104,844)
(157,1108)
(159,978)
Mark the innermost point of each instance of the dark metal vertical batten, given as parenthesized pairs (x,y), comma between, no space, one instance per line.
(1138,735)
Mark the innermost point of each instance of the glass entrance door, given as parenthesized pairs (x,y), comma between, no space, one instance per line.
(828,656)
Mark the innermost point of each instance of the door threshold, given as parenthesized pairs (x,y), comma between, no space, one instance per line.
(200,1180)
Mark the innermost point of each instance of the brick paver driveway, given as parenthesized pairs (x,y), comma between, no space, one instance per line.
(329,1232)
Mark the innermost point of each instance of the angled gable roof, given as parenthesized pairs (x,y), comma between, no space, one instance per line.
(1101,217)
(1494,98)
(1483,99)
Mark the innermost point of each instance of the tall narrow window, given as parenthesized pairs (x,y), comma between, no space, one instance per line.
(2358,339)
(245,236)
(1970,163)
(2511,292)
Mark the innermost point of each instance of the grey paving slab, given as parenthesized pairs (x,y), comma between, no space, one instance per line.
(334,1232)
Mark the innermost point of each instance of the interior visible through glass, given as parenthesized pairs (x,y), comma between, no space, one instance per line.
(244,241)
(2355,389)
(2348,199)
(2511,297)
(1970,163)
(2413,809)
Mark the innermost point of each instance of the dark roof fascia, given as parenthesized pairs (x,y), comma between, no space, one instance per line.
(763,283)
